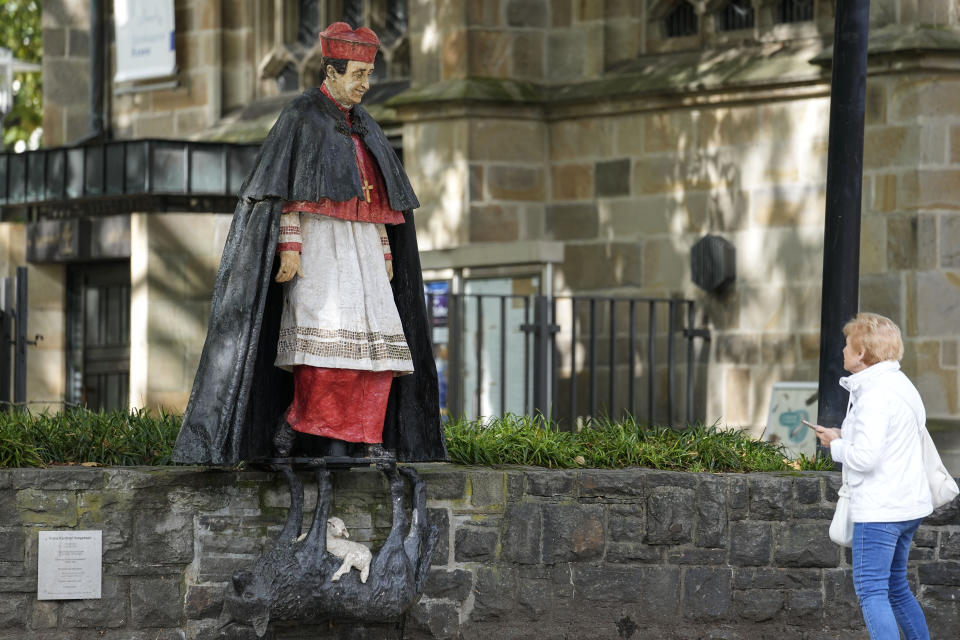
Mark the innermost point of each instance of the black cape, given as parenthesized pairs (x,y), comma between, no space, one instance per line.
(238,394)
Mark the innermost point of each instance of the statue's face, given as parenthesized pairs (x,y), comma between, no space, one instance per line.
(349,87)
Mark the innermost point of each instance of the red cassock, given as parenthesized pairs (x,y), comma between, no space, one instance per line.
(345,404)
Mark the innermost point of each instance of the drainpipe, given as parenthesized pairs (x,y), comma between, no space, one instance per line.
(97,72)
(841,234)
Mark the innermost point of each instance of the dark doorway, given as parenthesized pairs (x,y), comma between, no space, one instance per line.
(98,335)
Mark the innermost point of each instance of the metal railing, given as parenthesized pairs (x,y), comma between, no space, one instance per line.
(570,357)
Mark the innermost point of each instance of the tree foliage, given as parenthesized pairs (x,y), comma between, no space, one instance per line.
(21,32)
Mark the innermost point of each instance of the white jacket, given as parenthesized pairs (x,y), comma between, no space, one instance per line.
(879,446)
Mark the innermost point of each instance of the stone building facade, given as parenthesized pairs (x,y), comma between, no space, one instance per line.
(623,130)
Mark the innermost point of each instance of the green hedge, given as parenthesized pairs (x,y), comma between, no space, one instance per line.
(139,438)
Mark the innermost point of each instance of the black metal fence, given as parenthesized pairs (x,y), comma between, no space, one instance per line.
(13,337)
(570,357)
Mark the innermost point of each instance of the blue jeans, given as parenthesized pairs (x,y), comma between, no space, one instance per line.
(880,552)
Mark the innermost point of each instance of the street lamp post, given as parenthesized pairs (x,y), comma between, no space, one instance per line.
(841,235)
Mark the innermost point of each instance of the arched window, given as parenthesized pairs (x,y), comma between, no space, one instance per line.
(680,21)
(793,11)
(737,14)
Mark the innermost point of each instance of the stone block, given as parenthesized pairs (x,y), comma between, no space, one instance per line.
(487,489)
(495,593)
(738,498)
(758,605)
(489,53)
(625,522)
(902,242)
(440,518)
(566,54)
(572,182)
(453,62)
(561,12)
(737,387)
(109,612)
(476,183)
(701,557)
(511,182)
(521,534)
(777,578)
(607,484)
(769,497)
(788,205)
(517,141)
(66,82)
(883,294)
(839,598)
(579,139)
(706,593)
(671,513)
(940,573)
(929,189)
(572,533)
(451,585)
(950,241)
(612,178)
(156,602)
(483,14)
(750,544)
(807,496)
(13,611)
(475,544)
(655,589)
(633,552)
(203,601)
(549,483)
(54,42)
(936,301)
(12,544)
(955,144)
(44,615)
(712,523)
(162,537)
(48,508)
(666,263)
(778,349)
(441,619)
(527,13)
(941,607)
(923,96)
(805,545)
(494,223)
(804,607)
(442,484)
(572,221)
(602,265)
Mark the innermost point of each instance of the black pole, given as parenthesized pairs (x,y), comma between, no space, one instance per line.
(20,340)
(97,71)
(841,234)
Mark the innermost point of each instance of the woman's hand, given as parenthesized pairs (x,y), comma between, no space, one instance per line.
(289,266)
(826,435)
(389,269)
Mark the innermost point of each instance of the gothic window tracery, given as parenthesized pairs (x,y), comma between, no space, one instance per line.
(735,15)
(294,61)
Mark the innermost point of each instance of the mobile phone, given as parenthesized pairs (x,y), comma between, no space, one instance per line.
(812,426)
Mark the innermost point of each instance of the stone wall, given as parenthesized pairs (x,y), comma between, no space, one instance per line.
(523,553)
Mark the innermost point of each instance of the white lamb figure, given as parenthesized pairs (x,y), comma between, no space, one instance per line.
(354,554)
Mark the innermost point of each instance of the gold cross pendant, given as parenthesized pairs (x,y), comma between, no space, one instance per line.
(367,188)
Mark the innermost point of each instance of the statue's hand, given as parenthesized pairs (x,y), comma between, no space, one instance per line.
(289,266)
(389,269)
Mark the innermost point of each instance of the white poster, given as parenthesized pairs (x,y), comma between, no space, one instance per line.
(69,565)
(145,39)
(790,404)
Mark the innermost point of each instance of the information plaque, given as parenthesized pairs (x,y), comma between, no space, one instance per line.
(69,565)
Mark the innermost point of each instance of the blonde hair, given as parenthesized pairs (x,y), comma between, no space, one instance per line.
(878,337)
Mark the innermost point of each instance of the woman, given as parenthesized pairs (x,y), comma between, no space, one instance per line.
(879,448)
